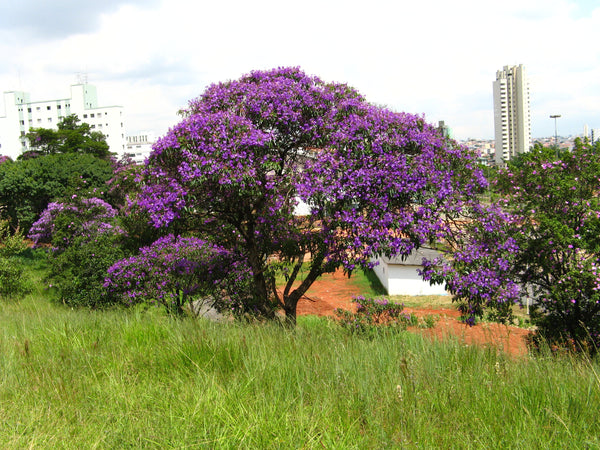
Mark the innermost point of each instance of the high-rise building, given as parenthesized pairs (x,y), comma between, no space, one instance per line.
(512,122)
(21,114)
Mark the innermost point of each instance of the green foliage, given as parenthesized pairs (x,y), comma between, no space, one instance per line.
(78,272)
(374,314)
(123,192)
(554,199)
(11,244)
(13,282)
(27,186)
(85,242)
(139,232)
(71,137)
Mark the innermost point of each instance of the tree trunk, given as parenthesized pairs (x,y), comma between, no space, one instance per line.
(290,302)
(260,291)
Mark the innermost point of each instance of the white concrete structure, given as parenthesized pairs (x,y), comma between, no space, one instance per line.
(400,277)
(139,146)
(512,120)
(21,114)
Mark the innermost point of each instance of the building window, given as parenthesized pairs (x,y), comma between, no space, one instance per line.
(92,115)
(58,106)
(49,119)
(39,121)
(48,108)
(85,116)
(22,122)
(38,109)
(28,110)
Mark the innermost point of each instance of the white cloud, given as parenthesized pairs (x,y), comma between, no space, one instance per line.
(434,57)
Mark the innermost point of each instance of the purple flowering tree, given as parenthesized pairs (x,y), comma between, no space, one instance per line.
(249,152)
(556,226)
(538,243)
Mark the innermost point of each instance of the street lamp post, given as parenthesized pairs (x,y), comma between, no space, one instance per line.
(555,116)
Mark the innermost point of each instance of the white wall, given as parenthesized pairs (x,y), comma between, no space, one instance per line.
(400,279)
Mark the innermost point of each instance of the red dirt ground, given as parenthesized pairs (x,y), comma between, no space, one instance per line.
(334,291)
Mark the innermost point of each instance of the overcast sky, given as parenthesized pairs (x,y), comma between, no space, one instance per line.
(436,58)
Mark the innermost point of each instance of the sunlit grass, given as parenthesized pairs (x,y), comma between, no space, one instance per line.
(139,379)
(113,379)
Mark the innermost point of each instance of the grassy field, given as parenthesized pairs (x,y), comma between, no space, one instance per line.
(135,379)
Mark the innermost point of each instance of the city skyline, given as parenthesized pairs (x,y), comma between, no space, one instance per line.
(435,58)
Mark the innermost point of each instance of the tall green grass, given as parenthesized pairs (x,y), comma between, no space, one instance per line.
(134,379)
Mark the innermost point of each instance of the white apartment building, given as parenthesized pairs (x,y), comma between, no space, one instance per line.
(139,146)
(21,114)
(512,120)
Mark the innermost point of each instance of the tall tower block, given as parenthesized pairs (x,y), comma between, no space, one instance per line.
(512,120)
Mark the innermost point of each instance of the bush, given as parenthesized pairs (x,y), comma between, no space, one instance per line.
(86,241)
(374,314)
(61,222)
(78,272)
(555,201)
(12,280)
(13,283)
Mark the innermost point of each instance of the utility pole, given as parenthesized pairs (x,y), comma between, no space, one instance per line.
(555,116)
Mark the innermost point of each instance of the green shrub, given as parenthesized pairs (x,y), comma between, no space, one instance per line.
(374,314)
(78,272)
(13,283)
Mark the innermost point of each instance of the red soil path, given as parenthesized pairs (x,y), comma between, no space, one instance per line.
(334,291)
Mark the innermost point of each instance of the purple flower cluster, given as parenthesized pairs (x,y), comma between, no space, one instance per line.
(74,218)
(171,271)
(478,269)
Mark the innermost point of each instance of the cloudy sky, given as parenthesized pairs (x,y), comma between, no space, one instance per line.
(436,58)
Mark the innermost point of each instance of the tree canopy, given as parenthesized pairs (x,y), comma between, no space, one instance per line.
(248,151)
(538,244)
(27,186)
(70,137)
(557,229)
